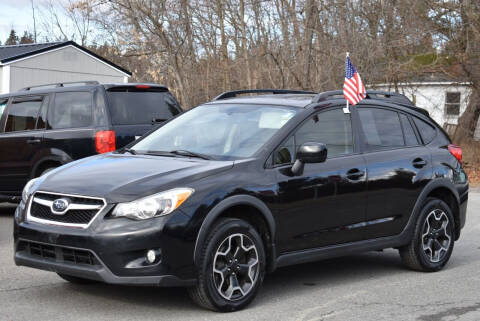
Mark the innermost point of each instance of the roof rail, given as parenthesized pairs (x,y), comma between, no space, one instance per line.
(371,94)
(234,93)
(62,84)
(396,98)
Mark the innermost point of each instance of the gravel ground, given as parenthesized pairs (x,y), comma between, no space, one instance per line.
(368,286)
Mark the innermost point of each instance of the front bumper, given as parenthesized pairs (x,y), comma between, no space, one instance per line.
(97,271)
(117,246)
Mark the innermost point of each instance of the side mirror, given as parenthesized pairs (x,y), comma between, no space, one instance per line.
(309,153)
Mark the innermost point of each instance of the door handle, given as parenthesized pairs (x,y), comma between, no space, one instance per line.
(33,141)
(419,162)
(355,174)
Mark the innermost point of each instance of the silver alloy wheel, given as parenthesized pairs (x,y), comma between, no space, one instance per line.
(235,267)
(435,236)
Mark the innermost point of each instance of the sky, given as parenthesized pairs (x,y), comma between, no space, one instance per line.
(16,14)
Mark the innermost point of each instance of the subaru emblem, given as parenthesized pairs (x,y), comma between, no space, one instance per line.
(60,206)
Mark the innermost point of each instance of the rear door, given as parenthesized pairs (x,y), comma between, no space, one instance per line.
(135,110)
(71,133)
(398,168)
(20,140)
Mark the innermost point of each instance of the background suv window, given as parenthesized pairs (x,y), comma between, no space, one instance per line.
(3,105)
(23,113)
(71,110)
(381,128)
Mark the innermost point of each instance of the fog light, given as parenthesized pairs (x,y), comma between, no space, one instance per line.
(151,256)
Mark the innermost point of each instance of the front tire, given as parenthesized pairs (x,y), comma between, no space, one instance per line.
(433,239)
(231,267)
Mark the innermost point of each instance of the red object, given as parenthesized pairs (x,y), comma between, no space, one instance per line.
(353,88)
(142,86)
(105,141)
(456,151)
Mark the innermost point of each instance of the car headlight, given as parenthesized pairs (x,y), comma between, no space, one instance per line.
(155,205)
(27,190)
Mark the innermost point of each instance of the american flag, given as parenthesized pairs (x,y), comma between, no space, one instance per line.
(353,88)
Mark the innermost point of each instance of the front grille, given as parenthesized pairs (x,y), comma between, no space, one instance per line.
(58,253)
(80,212)
(72,216)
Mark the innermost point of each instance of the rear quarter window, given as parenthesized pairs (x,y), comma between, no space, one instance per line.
(71,110)
(141,107)
(427,131)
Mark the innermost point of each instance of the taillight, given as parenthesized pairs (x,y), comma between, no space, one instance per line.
(142,86)
(456,151)
(105,141)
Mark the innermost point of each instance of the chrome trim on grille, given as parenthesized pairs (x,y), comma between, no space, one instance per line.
(72,206)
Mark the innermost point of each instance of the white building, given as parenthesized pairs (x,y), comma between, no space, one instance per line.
(45,63)
(444,100)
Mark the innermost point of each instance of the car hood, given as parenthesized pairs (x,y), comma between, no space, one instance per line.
(123,178)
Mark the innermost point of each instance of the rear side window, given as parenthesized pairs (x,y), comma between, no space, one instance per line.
(426,130)
(23,113)
(130,106)
(410,137)
(71,110)
(381,128)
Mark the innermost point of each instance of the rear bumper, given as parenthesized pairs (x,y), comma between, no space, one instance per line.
(97,271)
(463,209)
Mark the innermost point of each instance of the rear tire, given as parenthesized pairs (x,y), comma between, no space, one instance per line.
(231,267)
(76,280)
(433,239)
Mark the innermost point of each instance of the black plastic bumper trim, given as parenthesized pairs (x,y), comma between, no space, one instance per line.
(98,273)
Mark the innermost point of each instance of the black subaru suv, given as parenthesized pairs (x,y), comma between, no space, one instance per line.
(237,187)
(47,126)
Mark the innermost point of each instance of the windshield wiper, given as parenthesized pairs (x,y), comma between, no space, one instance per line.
(188,153)
(128,150)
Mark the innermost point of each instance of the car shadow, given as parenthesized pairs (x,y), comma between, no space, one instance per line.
(284,282)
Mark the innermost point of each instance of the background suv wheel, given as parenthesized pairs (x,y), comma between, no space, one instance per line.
(232,266)
(433,240)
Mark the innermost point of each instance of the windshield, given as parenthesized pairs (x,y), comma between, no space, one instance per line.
(219,131)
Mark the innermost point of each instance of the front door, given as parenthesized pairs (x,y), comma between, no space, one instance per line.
(325,204)
(20,139)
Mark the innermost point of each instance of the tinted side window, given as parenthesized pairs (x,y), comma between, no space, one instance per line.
(42,117)
(71,110)
(410,137)
(22,114)
(285,152)
(333,128)
(381,128)
(427,131)
(3,105)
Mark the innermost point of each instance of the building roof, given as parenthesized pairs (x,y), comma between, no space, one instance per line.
(10,54)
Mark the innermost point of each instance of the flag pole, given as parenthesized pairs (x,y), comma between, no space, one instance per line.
(346,110)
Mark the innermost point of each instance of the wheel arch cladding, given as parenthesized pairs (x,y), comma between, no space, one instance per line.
(444,190)
(250,209)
